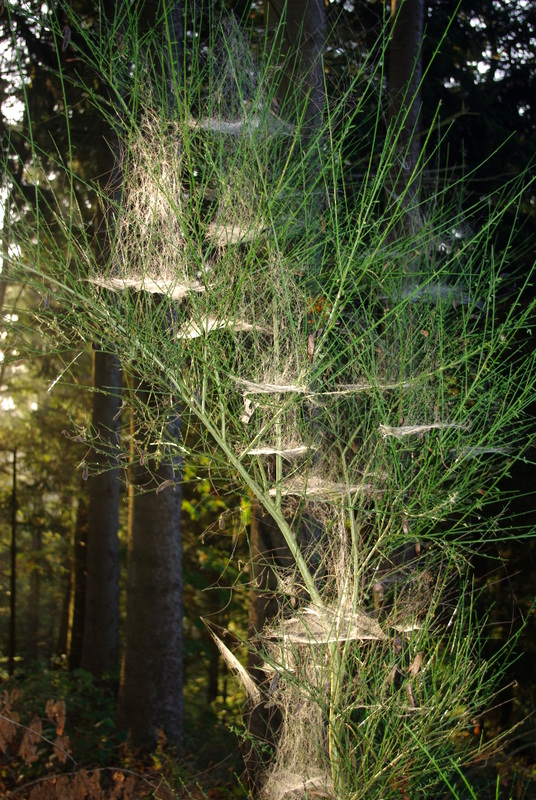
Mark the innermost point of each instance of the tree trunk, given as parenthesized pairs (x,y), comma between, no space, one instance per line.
(101,627)
(5,253)
(62,641)
(404,108)
(34,598)
(12,650)
(267,547)
(213,673)
(150,694)
(78,587)
(302,25)
(150,697)
(100,646)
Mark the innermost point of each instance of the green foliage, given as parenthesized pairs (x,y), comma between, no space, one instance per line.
(215,576)
(70,710)
(90,714)
(355,372)
(47,489)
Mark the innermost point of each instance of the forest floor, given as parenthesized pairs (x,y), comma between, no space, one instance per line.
(58,741)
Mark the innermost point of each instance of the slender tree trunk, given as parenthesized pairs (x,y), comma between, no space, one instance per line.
(78,587)
(268,549)
(404,107)
(12,651)
(150,698)
(150,694)
(213,673)
(62,642)
(302,25)
(100,646)
(34,598)
(5,252)
(101,627)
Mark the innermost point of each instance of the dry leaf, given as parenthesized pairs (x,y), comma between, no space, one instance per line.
(310,346)
(66,38)
(165,485)
(87,786)
(55,712)
(409,692)
(249,410)
(416,665)
(8,728)
(124,786)
(28,745)
(62,748)
(234,664)
(14,695)
(118,779)
(45,790)
(118,782)
(64,789)
(129,788)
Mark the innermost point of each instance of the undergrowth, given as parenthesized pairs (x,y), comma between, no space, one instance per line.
(58,740)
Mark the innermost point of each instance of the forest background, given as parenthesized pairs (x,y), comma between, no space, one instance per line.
(482,79)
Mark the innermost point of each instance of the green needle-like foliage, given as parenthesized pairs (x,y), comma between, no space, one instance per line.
(328,365)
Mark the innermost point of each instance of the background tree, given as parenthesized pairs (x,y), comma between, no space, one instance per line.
(47,499)
(404,101)
(100,650)
(73,614)
(150,695)
(86,146)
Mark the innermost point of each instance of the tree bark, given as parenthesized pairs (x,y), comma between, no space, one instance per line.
(268,548)
(62,641)
(34,598)
(78,587)
(302,25)
(101,628)
(213,673)
(12,649)
(150,698)
(100,649)
(404,107)
(151,686)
